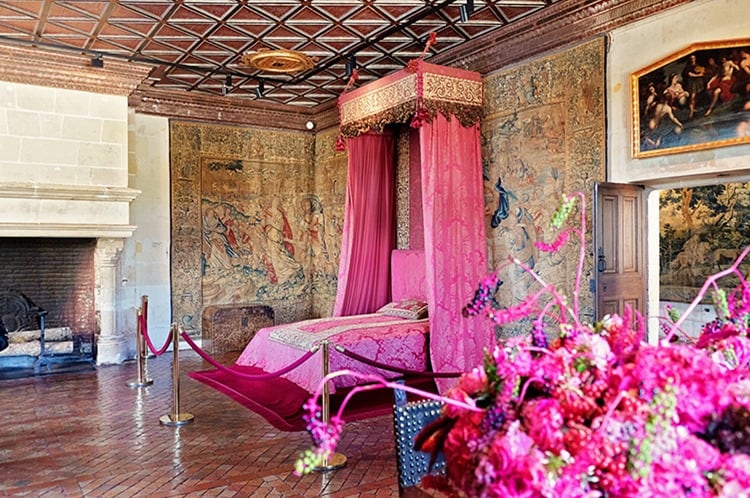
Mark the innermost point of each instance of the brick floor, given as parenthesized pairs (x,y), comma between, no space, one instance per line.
(88,434)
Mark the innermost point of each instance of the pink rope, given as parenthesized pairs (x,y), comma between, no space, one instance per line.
(228,370)
(382,366)
(377,382)
(709,282)
(144,331)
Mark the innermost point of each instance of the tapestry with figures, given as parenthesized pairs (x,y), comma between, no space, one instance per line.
(249,226)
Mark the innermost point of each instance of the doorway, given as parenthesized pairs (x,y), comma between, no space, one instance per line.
(702,231)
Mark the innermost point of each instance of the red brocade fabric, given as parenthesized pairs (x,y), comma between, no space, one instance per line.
(388,340)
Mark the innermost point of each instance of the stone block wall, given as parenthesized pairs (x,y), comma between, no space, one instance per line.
(63,159)
(59,136)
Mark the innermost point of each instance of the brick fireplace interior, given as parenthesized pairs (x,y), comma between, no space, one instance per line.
(57,274)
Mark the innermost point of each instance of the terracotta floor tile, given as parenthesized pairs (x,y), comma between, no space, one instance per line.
(88,434)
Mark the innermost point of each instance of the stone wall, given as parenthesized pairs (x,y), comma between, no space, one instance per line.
(63,162)
(64,174)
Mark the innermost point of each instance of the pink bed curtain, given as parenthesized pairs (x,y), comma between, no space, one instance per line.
(455,243)
(369,226)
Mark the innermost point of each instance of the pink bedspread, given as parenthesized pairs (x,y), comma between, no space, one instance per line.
(393,341)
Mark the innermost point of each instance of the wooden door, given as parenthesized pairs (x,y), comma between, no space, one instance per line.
(620,246)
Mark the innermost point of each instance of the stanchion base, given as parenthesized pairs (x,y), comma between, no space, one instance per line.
(140,383)
(335,461)
(178,419)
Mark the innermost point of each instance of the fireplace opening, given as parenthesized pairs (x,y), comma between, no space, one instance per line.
(58,275)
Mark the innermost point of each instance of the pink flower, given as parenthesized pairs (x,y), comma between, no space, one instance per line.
(572,486)
(549,367)
(474,381)
(517,440)
(735,471)
(513,466)
(696,453)
(544,422)
(525,479)
(622,338)
(500,456)
(574,410)
(517,352)
(459,451)
(595,348)
(669,478)
(458,394)
(731,353)
(612,323)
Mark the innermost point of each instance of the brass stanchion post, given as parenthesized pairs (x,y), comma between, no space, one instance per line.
(335,460)
(142,379)
(176,418)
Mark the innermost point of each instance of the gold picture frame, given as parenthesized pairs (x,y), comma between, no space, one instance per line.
(697,98)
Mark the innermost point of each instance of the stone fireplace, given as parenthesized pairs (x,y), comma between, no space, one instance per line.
(64,177)
(56,274)
(68,265)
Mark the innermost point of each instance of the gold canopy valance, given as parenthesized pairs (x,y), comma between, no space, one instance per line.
(415,93)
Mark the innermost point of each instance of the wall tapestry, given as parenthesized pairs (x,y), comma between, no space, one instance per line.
(543,136)
(702,230)
(327,224)
(248,224)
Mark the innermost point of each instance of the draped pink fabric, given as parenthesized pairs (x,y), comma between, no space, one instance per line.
(408,278)
(369,226)
(416,221)
(455,243)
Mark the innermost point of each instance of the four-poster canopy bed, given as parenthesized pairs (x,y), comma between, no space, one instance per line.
(448,247)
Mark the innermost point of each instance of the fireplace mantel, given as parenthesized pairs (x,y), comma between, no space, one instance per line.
(68,192)
(49,210)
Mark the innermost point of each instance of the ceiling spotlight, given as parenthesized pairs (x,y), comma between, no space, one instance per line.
(97,61)
(310,125)
(227,87)
(261,89)
(351,64)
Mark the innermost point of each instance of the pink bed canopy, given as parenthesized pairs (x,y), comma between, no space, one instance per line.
(443,106)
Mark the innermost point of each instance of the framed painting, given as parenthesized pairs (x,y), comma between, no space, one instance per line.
(697,98)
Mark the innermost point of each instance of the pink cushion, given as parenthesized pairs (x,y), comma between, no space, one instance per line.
(413,309)
(408,279)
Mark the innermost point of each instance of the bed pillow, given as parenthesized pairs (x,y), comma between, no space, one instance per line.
(413,309)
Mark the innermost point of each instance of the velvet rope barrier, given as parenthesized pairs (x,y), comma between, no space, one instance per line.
(334,460)
(156,352)
(176,418)
(241,375)
(403,371)
(142,378)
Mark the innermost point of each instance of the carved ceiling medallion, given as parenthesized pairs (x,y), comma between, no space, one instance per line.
(278,61)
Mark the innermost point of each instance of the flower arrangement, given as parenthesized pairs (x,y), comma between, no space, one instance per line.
(582,410)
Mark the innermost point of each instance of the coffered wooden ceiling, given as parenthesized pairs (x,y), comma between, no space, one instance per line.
(198,45)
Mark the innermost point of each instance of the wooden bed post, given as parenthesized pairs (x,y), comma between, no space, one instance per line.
(336,460)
